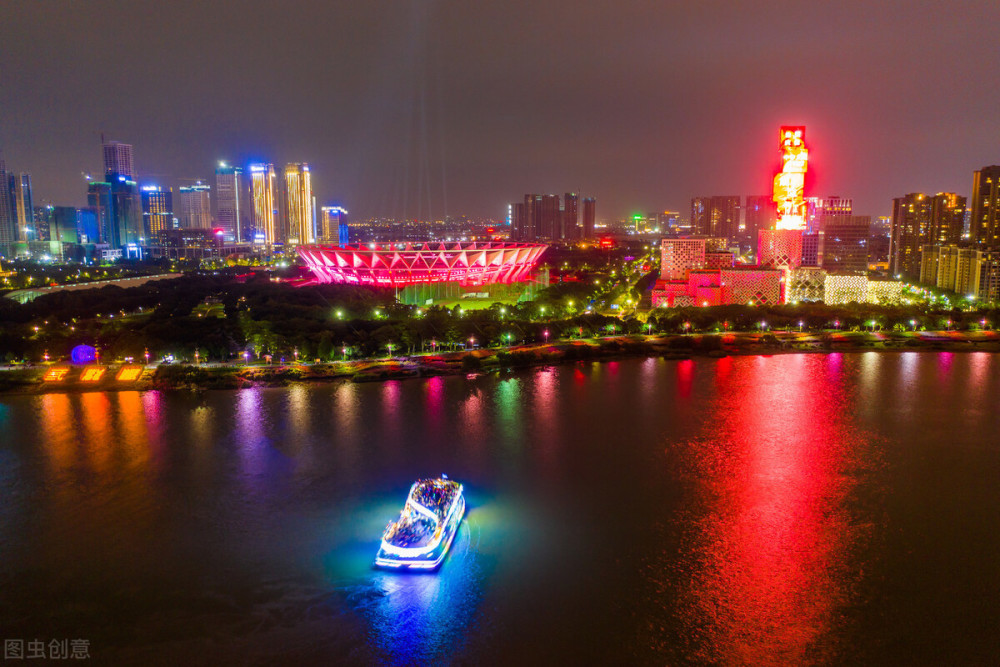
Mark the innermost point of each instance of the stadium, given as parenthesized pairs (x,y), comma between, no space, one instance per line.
(468,263)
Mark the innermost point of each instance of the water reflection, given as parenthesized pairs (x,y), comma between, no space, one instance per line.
(769,554)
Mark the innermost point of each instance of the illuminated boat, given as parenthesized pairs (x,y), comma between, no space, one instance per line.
(423,533)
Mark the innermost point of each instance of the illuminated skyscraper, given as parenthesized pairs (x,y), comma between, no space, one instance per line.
(123,212)
(22,208)
(571,216)
(229,199)
(782,246)
(333,225)
(99,200)
(196,206)
(8,222)
(118,160)
(947,218)
(789,183)
(157,210)
(298,204)
(264,211)
(716,216)
(984,223)
(911,223)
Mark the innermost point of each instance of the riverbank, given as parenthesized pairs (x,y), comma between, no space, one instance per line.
(198,377)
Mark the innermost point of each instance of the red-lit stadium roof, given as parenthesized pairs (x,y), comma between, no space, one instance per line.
(397,264)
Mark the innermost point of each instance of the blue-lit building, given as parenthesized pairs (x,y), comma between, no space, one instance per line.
(333,225)
(118,207)
(157,210)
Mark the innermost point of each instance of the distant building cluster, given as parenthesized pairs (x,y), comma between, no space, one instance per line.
(255,209)
(549,218)
(806,248)
(943,242)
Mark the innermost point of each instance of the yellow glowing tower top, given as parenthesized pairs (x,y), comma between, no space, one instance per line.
(789,183)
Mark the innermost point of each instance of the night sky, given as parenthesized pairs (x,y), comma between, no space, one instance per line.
(433,108)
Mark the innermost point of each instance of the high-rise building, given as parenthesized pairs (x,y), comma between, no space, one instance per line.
(531,224)
(42,217)
(571,216)
(947,218)
(99,200)
(65,224)
(789,183)
(845,242)
(984,222)
(911,223)
(22,208)
(264,204)
(333,225)
(157,210)
(668,221)
(919,219)
(196,206)
(229,200)
(118,207)
(298,204)
(716,216)
(118,160)
(818,208)
(8,221)
(589,217)
(679,256)
(760,213)
(518,220)
(86,225)
(126,213)
(549,223)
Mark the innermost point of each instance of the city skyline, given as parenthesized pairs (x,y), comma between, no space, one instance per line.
(395,124)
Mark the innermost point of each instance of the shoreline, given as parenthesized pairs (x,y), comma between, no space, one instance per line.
(183,377)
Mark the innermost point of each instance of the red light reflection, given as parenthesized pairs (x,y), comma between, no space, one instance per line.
(770,554)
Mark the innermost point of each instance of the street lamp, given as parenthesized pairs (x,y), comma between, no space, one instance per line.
(687,325)
(434,344)
(649,328)
(340,314)
(390,349)
(913,324)
(296,355)
(800,326)
(836,324)
(197,356)
(343,351)
(246,357)
(546,334)
(146,354)
(472,341)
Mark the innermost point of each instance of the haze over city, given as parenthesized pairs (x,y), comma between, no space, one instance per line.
(423,109)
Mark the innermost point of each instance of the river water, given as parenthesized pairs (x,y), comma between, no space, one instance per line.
(818,509)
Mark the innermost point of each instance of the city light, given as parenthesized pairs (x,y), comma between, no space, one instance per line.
(129,373)
(92,373)
(789,183)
